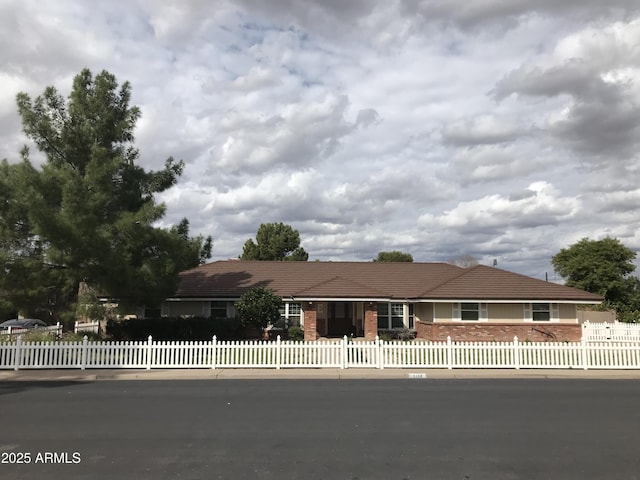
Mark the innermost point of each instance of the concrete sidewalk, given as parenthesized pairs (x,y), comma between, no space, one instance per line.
(324,373)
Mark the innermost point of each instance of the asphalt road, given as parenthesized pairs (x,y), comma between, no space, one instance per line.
(329,429)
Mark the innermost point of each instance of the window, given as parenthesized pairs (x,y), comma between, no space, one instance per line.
(397,315)
(541,312)
(218,310)
(290,315)
(383,315)
(391,315)
(469,312)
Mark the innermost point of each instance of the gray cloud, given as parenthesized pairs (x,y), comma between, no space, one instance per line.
(575,77)
(366,125)
(601,116)
(482,130)
(506,12)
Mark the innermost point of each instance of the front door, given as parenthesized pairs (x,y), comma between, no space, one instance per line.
(340,319)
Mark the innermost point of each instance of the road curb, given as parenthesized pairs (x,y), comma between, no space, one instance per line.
(338,374)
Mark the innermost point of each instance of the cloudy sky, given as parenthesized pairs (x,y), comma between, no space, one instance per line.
(501,129)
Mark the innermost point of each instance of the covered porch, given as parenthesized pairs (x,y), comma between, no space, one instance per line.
(339,318)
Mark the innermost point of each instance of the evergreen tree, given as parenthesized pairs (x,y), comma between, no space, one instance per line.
(89,213)
(393,256)
(275,241)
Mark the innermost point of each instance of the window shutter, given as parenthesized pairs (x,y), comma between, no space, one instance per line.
(483,312)
(555,312)
(527,312)
(455,311)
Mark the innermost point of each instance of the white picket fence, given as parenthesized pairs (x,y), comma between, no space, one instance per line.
(86,327)
(611,332)
(52,329)
(341,354)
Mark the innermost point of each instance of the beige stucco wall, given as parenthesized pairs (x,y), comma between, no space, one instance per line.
(592,316)
(506,312)
(497,312)
(568,313)
(442,312)
(423,312)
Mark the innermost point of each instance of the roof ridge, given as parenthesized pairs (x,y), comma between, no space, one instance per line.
(316,285)
(329,280)
(444,282)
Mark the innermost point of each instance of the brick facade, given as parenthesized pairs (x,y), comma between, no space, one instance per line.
(370,320)
(499,332)
(310,321)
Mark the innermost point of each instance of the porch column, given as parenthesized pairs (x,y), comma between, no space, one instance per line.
(310,321)
(370,320)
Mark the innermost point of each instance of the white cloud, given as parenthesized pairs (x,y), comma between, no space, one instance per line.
(295,135)
(540,205)
(501,129)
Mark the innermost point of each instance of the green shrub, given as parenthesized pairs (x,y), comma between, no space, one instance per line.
(259,307)
(631,316)
(404,335)
(175,328)
(295,334)
(386,336)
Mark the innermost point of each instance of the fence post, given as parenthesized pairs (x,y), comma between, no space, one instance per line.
(18,352)
(516,353)
(214,353)
(343,353)
(75,327)
(585,354)
(85,345)
(278,352)
(449,353)
(149,352)
(379,346)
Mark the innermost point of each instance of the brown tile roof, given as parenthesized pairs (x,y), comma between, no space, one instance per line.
(495,284)
(370,280)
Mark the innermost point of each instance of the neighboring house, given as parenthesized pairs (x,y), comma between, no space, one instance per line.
(436,300)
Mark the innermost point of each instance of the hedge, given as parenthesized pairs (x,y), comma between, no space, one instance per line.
(176,328)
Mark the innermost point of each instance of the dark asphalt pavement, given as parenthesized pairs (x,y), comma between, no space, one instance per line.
(321,429)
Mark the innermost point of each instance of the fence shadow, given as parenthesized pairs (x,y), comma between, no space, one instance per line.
(8,387)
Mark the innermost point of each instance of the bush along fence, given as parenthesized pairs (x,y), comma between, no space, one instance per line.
(340,354)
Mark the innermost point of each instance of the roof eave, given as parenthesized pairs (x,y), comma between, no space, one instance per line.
(510,300)
(340,299)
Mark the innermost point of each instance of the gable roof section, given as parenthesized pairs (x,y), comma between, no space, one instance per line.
(231,278)
(370,280)
(494,284)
